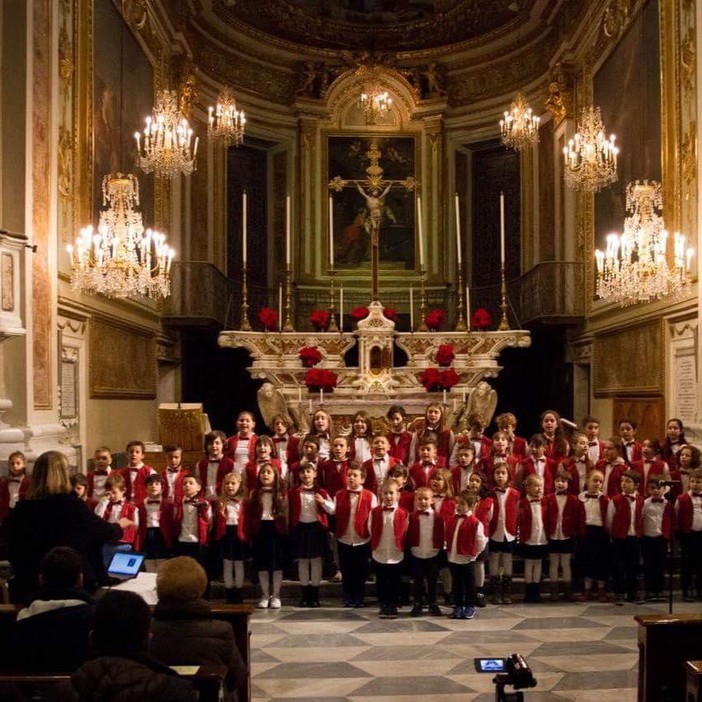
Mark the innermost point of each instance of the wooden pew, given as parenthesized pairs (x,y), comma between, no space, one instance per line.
(237,615)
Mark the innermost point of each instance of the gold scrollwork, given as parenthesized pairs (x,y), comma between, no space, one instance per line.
(615,18)
(689,154)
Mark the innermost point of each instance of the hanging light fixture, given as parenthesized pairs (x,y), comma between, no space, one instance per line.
(634,267)
(520,127)
(121,259)
(168,147)
(226,123)
(590,158)
(374,102)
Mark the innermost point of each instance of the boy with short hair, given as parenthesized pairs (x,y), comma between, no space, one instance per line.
(461,473)
(399,437)
(631,447)
(595,447)
(79,484)
(112,508)
(102,467)
(688,511)
(657,516)
(214,466)
(537,464)
(516,445)
(378,467)
(310,456)
(428,461)
(174,473)
(136,472)
(192,520)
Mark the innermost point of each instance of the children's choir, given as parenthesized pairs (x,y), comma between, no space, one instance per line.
(417,507)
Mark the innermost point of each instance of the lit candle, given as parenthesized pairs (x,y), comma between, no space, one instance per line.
(444,395)
(459,254)
(419,227)
(280,307)
(411,309)
(243,228)
(468,307)
(321,396)
(287,230)
(331,232)
(502,230)
(341,308)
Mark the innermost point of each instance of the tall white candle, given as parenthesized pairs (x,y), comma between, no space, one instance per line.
(444,396)
(310,405)
(341,308)
(331,232)
(411,309)
(321,396)
(280,307)
(287,230)
(243,227)
(468,307)
(421,234)
(459,253)
(502,229)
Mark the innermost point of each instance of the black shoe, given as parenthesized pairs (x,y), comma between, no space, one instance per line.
(304,596)
(313,599)
(383,612)
(392,613)
(435,610)
(480,600)
(416,610)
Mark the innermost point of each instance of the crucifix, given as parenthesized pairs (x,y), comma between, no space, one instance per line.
(373,188)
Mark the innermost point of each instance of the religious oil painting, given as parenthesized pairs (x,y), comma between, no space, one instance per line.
(123,97)
(371,184)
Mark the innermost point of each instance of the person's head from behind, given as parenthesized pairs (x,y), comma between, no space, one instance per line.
(121,624)
(60,569)
(50,476)
(181,579)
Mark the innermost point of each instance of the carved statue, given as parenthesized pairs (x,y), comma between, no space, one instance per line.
(308,80)
(483,400)
(432,80)
(271,402)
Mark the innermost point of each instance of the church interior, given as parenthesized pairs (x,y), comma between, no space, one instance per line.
(195,191)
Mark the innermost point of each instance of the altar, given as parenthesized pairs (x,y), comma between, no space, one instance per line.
(375,382)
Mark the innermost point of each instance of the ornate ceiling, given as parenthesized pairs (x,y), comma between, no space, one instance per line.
(373,25)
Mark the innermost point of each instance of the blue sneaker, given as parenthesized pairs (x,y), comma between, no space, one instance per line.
(457,613)
(468,613)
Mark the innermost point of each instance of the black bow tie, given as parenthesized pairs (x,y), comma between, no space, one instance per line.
(500,489)
(657,499)
(388,509)
(592,497)
(425,514)
(593,443)
(117,504)
(214,460)
(306,489)
(173,470)
(533,501)
(279,439)
(631,498)
(15,480)
(191,500)
(697,494)
(153,502)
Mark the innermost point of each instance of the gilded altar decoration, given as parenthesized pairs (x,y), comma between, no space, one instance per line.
(520,126)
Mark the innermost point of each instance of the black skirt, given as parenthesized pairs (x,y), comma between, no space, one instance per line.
(230,546)
(594,548)
(561,545)
(501,546)
(533,553)
(308,540)
(268,550)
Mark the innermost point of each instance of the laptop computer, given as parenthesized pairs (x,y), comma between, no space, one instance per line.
(125,565)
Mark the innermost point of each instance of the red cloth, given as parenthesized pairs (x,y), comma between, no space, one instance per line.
(400,445)
(528,467)
(231,444)
(295,507)
(203,520)
(511,506)
(176,494)
(655,467)
(572,523)
(137,492)
(371,482)
(343,512)
(220,520)
(466,543)
(407,500)
(166,523)
(226,465)
(332,479)
(684,513)
(292,451)
(622,516)
(525,518)
(399,525)
(437,539)
(250,519)
(614,483)
(420,476)
(251,473)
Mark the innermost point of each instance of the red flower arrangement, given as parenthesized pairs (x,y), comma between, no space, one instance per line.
(320,319)
(481,319)
(435,319)
(358,313)
(268,318)
(435,380)
(317,379)
(445,355)
(310,356)
(391,314)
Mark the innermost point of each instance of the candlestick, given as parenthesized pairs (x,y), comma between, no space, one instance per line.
(459,253)
(243,227)
(422,301)
(332,317)
(310,405)
(504,322)
(341,308)
(455,404)
(420,232)
(280,307)
(468,307)
(460,322)
(331,232)
(287,230)
(411,309)
(244,325)
(502,229)
(288,326)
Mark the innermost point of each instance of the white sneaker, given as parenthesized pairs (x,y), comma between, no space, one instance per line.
(263,603)
(275,603)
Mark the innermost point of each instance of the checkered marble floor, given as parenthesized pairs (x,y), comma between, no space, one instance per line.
(584,652)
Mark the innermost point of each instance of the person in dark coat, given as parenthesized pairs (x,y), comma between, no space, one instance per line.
(51,516)
(52,633)
(183,631)
(122,670)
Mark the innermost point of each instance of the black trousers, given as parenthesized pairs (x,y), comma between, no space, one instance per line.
(653,550)
(691,560)
(425,572)
(463,577)
(353,563)
(626,556)
(387,583)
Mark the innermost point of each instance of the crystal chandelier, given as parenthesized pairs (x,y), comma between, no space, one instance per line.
(225,122)
(121,259)
(520,128)
(168,147)
(374,103)
(634,268)
(590,158)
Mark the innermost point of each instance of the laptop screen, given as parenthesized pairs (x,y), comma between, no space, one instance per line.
(125,564)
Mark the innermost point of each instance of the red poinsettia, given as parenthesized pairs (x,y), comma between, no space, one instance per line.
(391,314)
(268,318)
(445,355)
(320,319)
(317,379)
(481,319)
(435,380)
(358,313)
(310,356)
(435,319)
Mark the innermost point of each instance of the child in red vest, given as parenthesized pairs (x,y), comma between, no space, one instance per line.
(532,536)
(688,511)
(192,522)
(425,541)
(465,540)
(136,473)
(114,508)
(577,464)
(594,546)
(308,530)
(102,467)
(516,445)
(483,510)
(503,532)
(460,474)
(264,455)
(211,469)
(537,463)
(421,471)
(379,465)
(227,513)
(399,437)
(401,474)
(387,525)
(434,424)
(612,466)
(332,473)
(625,523)
(14,487)
(287,446)
(264,526)
(352,508)
(563,523)
(241,447)
(173,475)
(657,527)
(156,525)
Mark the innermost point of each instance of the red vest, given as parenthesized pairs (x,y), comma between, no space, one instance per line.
(550,467)
(400,445)
(655,467)
(571,522)
(407,500)
(91,480)
(332,479)
(251,473)
(635,450)
(226,465)
(343,513)
(292,448)
(519,447)
(684,511)
(399,523)
(371,481)
(250,520)
(231,444)
(220,520)
(622,516)
(203,520)
(437,538)
(165,523)
(175,495)
(420,476)
(137,492)
(467,531)
(570,465)
(129,535)
(483,512)
(525,519)
(5,495)
(448,508)
(511,505)
(444,441)
(295,506)
(614,483)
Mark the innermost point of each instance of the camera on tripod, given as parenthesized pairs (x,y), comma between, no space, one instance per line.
(513,671)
